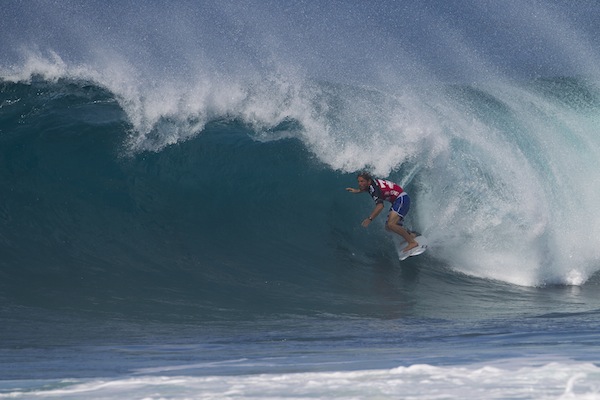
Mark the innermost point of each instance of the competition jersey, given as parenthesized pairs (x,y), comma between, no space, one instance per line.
(381,190)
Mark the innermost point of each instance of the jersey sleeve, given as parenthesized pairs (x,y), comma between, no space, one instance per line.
(375,193)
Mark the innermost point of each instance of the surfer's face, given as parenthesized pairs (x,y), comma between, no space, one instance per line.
(363,184)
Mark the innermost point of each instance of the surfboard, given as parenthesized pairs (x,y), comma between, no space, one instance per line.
(420,249)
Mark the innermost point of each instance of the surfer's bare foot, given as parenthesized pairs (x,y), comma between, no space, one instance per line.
(410,246)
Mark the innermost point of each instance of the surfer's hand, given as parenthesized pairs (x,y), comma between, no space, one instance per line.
(366,222)
(352,190)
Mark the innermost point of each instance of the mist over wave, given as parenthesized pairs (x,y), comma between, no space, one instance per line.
(144,109)
(174,68)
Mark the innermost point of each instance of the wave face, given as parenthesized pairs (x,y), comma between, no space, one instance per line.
(196,156)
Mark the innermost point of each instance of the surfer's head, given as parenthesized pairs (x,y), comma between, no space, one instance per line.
(364,180)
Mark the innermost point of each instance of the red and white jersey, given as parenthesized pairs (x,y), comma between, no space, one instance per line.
(381,190)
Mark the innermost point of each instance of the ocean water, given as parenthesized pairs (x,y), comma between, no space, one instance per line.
(174,224)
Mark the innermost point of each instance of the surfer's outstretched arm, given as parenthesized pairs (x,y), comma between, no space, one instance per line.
(353,190)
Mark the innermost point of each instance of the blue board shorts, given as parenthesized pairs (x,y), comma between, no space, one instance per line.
(401,206)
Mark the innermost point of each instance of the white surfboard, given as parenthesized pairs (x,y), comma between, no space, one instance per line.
(420,249)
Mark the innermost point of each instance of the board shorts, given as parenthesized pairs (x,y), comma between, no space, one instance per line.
(401,206)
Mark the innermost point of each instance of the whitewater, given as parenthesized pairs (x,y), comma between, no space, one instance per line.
(174,224)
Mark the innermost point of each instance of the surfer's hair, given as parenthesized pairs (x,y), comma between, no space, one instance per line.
(365,175)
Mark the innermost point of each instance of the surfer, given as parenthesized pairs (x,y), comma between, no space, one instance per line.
(381,190)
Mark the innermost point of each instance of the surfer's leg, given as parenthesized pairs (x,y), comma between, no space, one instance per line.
(392,225)
(412,233)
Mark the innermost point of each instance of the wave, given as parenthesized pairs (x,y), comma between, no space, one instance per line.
(213,170)
(224,210)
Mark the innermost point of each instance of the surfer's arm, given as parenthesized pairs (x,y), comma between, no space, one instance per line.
(353,190)
(376,211)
